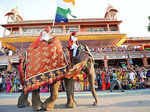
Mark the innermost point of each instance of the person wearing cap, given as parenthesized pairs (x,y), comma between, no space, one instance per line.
(46,34)
(73,43)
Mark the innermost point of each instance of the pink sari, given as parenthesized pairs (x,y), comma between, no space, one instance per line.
(8,85)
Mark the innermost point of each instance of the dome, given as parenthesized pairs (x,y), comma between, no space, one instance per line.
(111,8)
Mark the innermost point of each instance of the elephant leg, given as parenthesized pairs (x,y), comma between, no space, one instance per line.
(36,101)
(91,78)
(23,100)
(69,84)
(50,102)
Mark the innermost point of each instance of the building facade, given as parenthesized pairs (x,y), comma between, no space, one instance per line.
(102,35)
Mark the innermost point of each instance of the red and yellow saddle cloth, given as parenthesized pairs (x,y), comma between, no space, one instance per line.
(46,64)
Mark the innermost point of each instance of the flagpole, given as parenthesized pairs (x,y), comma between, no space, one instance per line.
(53,25)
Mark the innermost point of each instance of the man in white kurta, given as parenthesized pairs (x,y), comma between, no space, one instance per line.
(73,43)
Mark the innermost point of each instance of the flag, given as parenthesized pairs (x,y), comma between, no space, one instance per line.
(72,1)
(63,10)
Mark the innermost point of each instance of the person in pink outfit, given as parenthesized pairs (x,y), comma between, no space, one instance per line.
(8,83)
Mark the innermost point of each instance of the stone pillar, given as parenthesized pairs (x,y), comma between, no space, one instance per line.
(79,30)
(105,62)
(108,29)
(64,29)
(20,30)
(145,60)
(4,33)
(128,62)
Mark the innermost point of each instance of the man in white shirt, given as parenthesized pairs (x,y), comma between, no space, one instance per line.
(73,43)
(132,76)
(46,34)
(10,53)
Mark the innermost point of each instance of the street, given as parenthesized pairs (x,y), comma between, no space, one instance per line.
(116,101)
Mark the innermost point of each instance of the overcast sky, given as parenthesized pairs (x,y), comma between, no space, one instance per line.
(133,13)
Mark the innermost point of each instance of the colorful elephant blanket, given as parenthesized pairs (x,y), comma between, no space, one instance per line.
(46,64)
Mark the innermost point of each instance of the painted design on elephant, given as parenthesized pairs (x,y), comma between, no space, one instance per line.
(45,48)
(51,76)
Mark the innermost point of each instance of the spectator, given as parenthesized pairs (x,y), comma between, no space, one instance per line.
(107,80)
(8,83)
(131,76)
(148,73)
(10,53)
(115,82)
(98,78)
(1,82)
(103,74)
(124,79)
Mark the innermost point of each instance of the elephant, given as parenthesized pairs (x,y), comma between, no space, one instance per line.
(49,103)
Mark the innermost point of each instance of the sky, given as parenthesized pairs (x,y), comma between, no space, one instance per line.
(133,13)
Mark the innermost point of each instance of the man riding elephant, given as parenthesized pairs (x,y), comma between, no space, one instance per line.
(73,43)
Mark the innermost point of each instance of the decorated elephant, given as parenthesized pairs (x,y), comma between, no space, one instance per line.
(51,73)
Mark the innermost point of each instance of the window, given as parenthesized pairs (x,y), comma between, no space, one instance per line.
(97,28)
(58,30)
(72,29)
(113,28)
(32,30)
(16,32)
(100,29)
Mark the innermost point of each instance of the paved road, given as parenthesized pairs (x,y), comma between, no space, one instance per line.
(128,101)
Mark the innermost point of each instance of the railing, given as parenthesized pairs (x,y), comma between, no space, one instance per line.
(120,55)
(97,56)
(79,33)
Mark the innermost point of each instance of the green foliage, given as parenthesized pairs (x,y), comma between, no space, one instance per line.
(149,18)
(149,28)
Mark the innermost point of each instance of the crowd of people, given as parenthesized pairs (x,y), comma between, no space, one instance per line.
(110,79)
(9,82)
(116,78)
(129,78)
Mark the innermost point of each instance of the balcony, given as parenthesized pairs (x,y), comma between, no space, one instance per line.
(59,34)
(120,54)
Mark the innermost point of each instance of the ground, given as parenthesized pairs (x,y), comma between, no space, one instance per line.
(116,101)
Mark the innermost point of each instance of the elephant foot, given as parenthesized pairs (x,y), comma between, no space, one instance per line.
(71,105)
(95,104)
(22,103)
(47,106)
(37,107)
